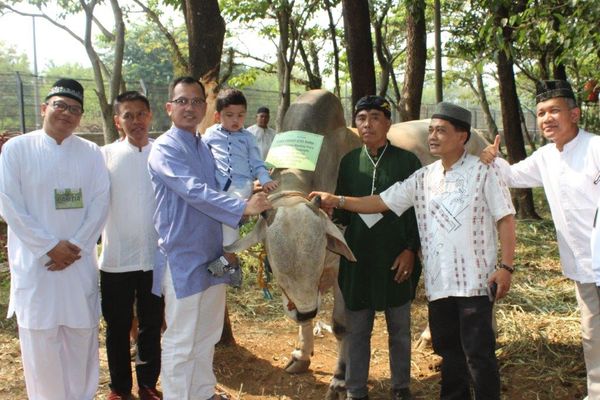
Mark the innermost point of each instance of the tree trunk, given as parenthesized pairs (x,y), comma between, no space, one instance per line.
(283,67)
(485,107)
(206,32)
(359,48)
(310,60)
(416,49)
(439,80)
(525,130)
(385,63)
(336,55)
(513,135)
(105,99)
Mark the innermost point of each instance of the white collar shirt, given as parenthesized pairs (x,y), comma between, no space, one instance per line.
(32,168)
(129,240)
(571,181)
(264,138)
(457,211)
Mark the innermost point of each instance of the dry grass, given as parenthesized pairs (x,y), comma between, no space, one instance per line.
(539,344)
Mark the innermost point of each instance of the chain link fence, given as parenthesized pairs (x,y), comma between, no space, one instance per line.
(22,93)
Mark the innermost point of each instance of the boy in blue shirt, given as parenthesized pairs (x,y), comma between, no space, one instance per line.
(236,154)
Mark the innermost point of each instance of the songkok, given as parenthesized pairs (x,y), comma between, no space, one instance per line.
(68,88)
(460,117)
(546,90)
(373,103)
(451,112)
(263,110)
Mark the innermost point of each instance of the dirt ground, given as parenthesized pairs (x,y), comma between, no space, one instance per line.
(253,369)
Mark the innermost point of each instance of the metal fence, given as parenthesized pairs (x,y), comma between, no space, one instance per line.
(22,93)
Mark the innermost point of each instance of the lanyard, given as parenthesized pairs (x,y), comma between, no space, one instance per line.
(375,164)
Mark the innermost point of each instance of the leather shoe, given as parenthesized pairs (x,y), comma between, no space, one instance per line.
(114,395)
(147,393)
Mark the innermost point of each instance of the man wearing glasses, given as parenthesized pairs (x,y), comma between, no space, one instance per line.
(54,192)
(188,218)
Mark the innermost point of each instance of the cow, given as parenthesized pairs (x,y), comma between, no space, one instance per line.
(302,244)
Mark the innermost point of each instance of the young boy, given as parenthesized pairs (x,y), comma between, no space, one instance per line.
(236,153)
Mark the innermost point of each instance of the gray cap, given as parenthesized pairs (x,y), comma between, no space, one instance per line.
(451,112)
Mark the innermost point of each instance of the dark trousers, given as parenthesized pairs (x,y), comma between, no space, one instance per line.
(462,334)
(119,290)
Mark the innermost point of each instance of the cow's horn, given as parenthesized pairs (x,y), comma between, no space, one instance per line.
(316,201)
(269,215)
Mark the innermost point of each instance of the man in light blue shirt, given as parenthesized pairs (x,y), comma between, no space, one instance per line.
(188,218)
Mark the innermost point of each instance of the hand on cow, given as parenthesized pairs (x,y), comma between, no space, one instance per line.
(404,264)
(62,255)
(502,278)
(329,201)
(270,186)
(488,154)
(257,204)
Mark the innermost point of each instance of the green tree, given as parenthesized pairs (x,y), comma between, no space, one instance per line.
(11,62)
(107,79)
(284,22)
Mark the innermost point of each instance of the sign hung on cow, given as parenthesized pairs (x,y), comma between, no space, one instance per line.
(295,149)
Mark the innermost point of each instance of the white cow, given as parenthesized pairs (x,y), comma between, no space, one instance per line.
(301,242)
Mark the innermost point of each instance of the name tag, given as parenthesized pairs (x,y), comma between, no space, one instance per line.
(68,198)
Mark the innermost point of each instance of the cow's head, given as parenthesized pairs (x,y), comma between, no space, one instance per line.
(298,237)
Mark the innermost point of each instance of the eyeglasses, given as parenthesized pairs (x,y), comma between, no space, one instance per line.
(195,102)
(62,106)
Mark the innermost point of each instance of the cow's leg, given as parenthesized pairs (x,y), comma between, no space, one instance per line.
(337,386)
(424,341)
(301,356)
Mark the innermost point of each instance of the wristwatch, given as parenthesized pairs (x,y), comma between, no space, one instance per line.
(507,267)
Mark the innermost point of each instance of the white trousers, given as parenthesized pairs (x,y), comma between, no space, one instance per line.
(588,297)
(60,363)
(239,191)
(194,326)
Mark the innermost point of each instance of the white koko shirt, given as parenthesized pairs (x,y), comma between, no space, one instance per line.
(32,167)
(596,244)
(264,138)
(571,180)
(129,240)
(456,214)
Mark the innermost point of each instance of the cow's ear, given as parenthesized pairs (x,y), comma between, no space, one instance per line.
(335,240)
(257,234)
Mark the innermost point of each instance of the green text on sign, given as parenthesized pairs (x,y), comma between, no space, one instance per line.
(295,149)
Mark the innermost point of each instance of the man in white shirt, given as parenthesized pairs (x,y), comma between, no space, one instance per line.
(261,131)
(461,206)
(54,192)
(568,169)
(129,247)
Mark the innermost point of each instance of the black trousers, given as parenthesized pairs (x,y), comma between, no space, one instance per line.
(462,334)
(119,290)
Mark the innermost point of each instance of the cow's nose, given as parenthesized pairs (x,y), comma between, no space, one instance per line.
(306,316)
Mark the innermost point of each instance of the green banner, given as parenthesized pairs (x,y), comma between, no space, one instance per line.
(295,149)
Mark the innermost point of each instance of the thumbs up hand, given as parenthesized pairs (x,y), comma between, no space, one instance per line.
(488,154)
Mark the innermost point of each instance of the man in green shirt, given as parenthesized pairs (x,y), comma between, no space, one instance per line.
(386,272)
